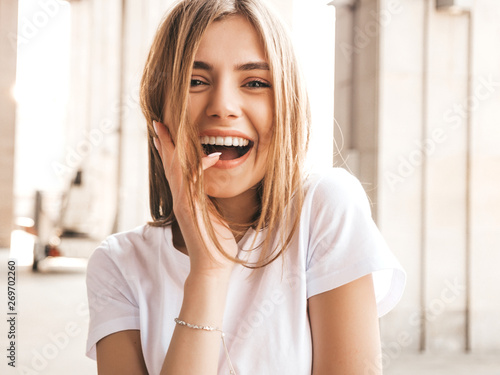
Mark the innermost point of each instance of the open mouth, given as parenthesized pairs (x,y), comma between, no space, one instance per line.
(231,148)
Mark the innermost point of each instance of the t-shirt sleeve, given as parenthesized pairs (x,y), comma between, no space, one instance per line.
(112,306)
(345,244)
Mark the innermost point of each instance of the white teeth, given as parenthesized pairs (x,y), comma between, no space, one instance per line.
(224,141)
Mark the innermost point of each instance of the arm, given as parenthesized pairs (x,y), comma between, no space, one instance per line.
(193,351)
(121,354)
(190,351)
(345,330)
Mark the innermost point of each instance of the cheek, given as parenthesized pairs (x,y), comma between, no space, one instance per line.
(265,137)
(195,106)
(263,122)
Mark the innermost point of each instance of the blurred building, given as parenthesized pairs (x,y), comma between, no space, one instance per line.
(417,107)
(417,96)
(8,22)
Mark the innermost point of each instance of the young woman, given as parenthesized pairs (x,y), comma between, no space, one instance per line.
(242,240)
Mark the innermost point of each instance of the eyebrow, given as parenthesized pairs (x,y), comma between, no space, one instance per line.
(257,65)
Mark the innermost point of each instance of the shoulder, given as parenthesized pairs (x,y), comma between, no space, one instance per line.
(126,247)
(335,188)
(132,240)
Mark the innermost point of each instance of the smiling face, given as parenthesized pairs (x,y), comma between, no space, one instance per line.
(231,102)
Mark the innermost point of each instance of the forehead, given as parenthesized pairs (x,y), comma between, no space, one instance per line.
(233,37)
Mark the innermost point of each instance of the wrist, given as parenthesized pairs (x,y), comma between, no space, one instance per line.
(204,300)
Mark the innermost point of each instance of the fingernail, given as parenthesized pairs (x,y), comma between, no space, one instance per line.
(214,154)
(154,127)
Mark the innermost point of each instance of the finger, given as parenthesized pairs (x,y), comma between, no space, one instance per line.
(166,146)
(210,160)
(169,131)
(156,142)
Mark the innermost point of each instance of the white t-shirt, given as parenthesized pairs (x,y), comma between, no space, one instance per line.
(135,281)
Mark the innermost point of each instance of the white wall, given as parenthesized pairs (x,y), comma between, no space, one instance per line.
(439,206)
(417,94)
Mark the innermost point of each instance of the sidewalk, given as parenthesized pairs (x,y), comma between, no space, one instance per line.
(445,364)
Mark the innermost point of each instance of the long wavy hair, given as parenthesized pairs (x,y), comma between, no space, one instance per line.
(165,84)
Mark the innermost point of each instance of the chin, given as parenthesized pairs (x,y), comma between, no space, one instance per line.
(220,183)
(226,188)
(222,193)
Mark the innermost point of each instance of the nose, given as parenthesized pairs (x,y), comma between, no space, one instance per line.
(224,101)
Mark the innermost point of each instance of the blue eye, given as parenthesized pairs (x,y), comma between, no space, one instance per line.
(257,84)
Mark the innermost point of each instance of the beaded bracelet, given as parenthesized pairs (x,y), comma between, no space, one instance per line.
(209,328)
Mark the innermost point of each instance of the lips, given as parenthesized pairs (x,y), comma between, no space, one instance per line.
(227,152)
(234,147)
(230,147)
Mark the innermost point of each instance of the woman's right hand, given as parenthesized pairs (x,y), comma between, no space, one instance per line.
(204,256)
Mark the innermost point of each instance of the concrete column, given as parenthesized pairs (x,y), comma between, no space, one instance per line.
(344,54)
(8,57)
(140,21)
(313,36)
(399,188)
(105,108)
(365,120)
(484,133)
(444,188)
(357,87)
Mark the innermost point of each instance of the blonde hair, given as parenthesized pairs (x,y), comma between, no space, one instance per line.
(165,85)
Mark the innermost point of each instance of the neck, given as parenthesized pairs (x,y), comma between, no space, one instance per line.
(239,211)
